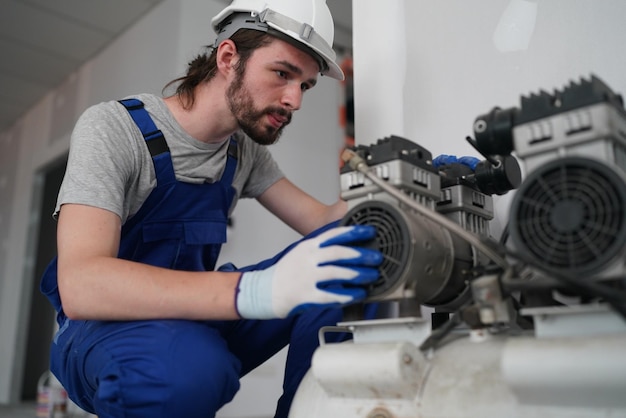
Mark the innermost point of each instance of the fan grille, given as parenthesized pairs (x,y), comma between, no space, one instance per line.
(569,215)
(392,240)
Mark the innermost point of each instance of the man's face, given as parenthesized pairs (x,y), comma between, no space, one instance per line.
(265,93)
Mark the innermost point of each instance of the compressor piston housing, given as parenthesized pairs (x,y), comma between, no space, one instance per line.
(423,262)
(568,216)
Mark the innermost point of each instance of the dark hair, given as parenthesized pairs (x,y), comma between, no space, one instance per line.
(204,66)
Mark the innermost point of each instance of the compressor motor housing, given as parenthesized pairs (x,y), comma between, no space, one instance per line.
(423,262)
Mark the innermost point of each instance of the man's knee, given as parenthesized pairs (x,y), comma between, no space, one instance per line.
(188,371)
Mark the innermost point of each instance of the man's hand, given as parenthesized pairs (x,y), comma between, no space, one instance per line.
(444,159)
(321,271)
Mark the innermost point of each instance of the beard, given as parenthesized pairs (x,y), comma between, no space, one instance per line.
(249,118)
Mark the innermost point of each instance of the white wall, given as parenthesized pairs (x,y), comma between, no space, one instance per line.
(151,53)
(431,67)
(40,138)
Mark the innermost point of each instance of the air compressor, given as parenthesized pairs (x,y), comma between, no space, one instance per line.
(531,324)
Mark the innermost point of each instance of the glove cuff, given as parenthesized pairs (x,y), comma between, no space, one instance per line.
(254,295)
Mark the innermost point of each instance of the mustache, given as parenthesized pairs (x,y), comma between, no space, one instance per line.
(281,111)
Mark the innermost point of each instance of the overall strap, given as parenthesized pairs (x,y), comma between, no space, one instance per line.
(231,162)
(156,141)
(154,137)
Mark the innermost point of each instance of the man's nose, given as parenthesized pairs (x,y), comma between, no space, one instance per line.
(292,96)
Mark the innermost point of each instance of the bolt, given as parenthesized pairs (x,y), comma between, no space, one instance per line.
(480,126)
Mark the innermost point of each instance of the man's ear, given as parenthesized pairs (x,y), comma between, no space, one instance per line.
(227,56)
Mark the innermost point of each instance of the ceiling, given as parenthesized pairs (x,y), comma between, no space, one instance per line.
(43,41)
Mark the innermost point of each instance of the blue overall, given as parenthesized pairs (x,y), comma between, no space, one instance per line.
(176,368)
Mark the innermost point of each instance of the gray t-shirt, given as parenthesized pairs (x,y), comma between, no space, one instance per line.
(109,165)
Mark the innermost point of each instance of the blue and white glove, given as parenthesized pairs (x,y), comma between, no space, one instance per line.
(444,159)
(321,271)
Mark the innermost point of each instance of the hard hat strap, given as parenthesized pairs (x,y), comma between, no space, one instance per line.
(305,31)
(238,21)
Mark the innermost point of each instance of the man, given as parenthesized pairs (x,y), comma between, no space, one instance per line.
(148,328)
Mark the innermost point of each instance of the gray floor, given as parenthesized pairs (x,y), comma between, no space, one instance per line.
(29,410)
(18,411)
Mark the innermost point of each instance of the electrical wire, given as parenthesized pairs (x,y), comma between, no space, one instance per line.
(435,337)
(616,298)
(504,237)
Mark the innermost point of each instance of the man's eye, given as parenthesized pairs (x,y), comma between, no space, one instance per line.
(281,74)
(304,87)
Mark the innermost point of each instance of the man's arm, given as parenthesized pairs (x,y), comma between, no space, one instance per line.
(299,210)
(95,284)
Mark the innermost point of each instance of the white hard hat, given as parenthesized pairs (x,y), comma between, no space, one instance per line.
(308,22)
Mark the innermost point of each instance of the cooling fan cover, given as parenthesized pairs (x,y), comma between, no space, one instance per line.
(569,216)
(392,239)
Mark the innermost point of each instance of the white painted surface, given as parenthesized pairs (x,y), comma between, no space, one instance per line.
(152,52)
